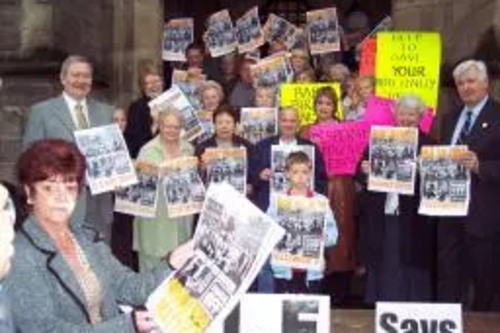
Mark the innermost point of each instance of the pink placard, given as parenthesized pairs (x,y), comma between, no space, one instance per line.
(342,145)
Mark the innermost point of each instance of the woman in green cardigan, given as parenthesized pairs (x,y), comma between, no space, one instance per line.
(155,237)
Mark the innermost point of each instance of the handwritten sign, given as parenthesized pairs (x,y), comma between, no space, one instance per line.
(418,317)
(408,62)
(342,145)
(301,96)
(382,111)
(368,57)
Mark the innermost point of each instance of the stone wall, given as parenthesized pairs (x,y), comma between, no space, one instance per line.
(10,36)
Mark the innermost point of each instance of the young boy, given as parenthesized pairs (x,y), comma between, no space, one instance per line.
(298,170)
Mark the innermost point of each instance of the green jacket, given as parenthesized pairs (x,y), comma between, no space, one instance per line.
(158,236)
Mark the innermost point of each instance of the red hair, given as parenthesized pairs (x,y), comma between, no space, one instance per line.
(48,158)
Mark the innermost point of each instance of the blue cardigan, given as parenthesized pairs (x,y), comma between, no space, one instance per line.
(260,159)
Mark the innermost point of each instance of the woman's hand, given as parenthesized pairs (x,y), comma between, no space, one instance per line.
(181,254)
(143,321)
(365,167)
(266,174)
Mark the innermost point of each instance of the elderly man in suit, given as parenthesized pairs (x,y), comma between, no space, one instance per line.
(60,117)
(469,247)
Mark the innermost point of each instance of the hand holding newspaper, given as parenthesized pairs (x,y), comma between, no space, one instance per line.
(232,242)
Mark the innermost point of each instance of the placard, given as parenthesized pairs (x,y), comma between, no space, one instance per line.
(418,317)
(408,62)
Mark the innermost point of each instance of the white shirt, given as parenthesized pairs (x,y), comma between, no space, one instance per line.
(392,204)
(476,110)
(288,143)
(72,103)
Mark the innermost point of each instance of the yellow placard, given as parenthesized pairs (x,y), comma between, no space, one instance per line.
(408,62)
(301,96)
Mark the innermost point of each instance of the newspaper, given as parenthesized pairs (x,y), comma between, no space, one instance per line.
(140,199)
(249,31)
(207,124)
(259,123)
(279,154)
(277,29)
(324,34)
(272,71)
(108,161)
(227,165)
(193,75)
(304,221)
(232,241)
(393,159)
(220,37)
(444,183)
(284,313)
(184,191)
(175,98)
(177,35)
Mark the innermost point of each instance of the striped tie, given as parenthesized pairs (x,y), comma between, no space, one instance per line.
(80,117)
(466,127)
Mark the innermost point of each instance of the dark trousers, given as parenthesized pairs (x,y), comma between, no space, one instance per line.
(297,285)
(468,268)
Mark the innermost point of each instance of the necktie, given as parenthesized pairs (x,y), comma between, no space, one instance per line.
(466,127)
(80,117)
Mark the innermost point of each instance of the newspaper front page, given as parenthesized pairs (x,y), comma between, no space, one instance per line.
(177,35)
(227,165)
(140,199)
(279,154)
(108,161)
(393,159)
(175,98)
(220,37)
(304,221)
(272,71)
(324,34)
(259,123)
(232,242)
(182,185)
(277,29)
(249,31)
(444,183)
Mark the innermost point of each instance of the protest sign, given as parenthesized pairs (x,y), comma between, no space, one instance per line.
(408,62)
(140,199)
(302,95)
(249,31)
(418,317)
(220,37)
(259,123)
(232,242)
(444,183)
(341,144)
(368,57)
(108,161)
(182,186)
(393,159)
(323,28)
(177,35)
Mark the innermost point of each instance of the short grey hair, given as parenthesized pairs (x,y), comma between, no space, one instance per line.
(207,85)
(170,111)
(411,101)
(467,65)
(73,59)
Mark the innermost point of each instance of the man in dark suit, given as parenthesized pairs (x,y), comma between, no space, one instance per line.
(469,247)
(60,117)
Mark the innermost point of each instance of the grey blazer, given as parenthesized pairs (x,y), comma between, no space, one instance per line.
(52,119)
(46,297)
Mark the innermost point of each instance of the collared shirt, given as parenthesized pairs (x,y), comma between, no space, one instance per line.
(288,143)
(72,103)
(392,204)
(476,110)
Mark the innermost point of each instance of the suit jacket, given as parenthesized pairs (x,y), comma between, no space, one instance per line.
(261,159)
(417,233)
(139,122)
(46,296)
(484,139)
(52,119)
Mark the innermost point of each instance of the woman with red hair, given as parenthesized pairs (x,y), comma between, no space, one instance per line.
(63,278)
